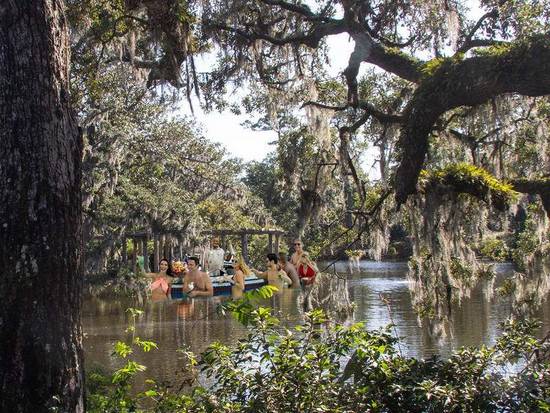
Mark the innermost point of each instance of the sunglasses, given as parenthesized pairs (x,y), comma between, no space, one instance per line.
(297,243)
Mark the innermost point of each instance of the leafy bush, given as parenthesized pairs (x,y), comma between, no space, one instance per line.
(320,367)
(354,253)
(114,393)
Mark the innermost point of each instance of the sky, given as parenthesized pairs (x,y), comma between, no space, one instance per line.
(240,142)
(225,128)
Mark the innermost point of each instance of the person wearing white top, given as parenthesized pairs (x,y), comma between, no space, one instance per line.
(214,258)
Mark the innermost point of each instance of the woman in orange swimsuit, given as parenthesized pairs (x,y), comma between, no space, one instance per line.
(160,287)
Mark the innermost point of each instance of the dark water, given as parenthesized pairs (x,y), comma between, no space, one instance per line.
(195,324)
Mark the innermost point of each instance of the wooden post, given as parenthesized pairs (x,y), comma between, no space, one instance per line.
(222,242)
(165,247)
(156,258)
(145,254)
(162,241)
(124,251)
(270,242)
(170,249)
(134,255)
(277,240)
(180,247)
(244,246)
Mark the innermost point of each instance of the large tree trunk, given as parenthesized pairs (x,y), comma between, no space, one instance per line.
(40,214)
(309,204)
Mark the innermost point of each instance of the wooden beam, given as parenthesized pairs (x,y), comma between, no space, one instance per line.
(270,243)
(223,232)
(136,235)
(218,232)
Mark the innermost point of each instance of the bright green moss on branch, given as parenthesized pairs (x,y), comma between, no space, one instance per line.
(469,179)
(514,49)
(395,51)
(496,50)
(431,66)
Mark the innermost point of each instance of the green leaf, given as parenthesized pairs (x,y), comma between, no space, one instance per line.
(122,349)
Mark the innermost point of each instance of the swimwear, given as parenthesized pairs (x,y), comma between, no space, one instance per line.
(306,273)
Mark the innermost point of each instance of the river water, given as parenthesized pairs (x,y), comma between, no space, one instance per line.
(195,324)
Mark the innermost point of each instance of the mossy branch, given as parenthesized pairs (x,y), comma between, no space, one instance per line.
(522,67)
(539,186)
(469,179)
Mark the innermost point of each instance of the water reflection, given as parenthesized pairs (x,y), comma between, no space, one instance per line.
(196,323)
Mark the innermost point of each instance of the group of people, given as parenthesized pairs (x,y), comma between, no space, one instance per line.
(299,271)
(195,282)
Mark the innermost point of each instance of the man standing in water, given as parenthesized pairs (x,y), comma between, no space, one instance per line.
(290,270)
(196,283)
(214,258)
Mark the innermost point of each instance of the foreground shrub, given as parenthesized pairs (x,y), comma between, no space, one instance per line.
(320,367)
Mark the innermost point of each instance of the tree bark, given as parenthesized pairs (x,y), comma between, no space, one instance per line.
(309,205)
(40,214)
(540,187)
(523,69)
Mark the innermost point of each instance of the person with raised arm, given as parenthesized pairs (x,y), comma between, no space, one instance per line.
(273,275)
(307,269)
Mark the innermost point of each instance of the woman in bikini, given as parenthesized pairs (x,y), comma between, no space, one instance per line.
(298,251)
(307,269)
(241,272)
(160,286)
